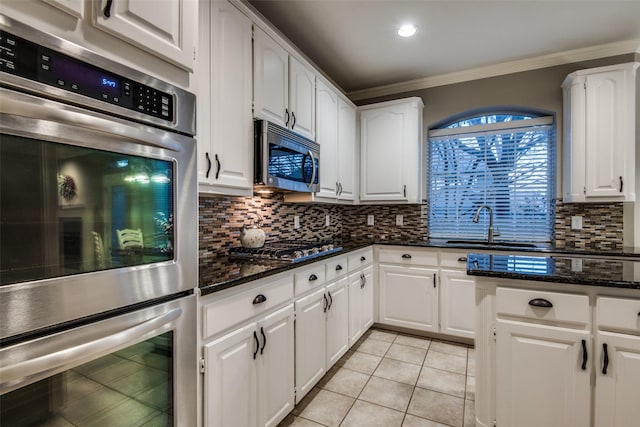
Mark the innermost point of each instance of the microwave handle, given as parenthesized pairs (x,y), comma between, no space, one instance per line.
(44,366)
(313,169)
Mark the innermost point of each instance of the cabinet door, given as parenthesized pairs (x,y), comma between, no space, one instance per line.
(230,379)
(606,134)
(165,28)
(457,303)
(347,166)
(337,321)
(382,141)
(276,365)
(367,299)
(270,79)
(539,376)
(356,324)
(409,297)
(328,140)
(616,392)
(310,341)
(302,99)
(229,160)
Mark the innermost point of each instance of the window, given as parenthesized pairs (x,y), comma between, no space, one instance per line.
(505,161)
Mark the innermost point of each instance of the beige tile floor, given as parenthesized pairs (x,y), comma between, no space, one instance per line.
(393,380)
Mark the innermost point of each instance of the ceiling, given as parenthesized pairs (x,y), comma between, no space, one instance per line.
(355,42)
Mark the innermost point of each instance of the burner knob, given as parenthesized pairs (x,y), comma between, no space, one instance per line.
(314,250)
(330,247)
(298,254)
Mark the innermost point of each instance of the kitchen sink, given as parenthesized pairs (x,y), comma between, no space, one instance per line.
(487,244)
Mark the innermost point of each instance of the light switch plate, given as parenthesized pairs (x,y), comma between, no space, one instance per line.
(576,265)
(399,220)
(327,221)
(576,222)
(369,219)
(296,221)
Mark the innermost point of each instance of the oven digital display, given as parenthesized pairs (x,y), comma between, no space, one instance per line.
(86,77)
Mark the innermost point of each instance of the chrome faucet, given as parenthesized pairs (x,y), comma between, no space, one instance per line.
(477,217)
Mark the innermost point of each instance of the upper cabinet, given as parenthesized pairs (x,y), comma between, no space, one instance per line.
(347,162)
(391,152)
(284,88)
(599,134)
(165,28)
(225,125)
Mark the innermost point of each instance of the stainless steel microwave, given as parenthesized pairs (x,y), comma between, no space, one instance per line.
(285,160)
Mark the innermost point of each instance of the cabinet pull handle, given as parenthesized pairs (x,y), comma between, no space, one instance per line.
(338,267)
(286,121)
(340,193)
(293,120)
(621,184)
(217,166)
(259,299)
(208,164)
(462,259)
(404,191)
(605,364)
(107,9)
(434,280)
(326,303)
(264,340)
(361,280)
(313,278)
(255,337)
(540,302)
(337,189)
(330,300)
(406,256)
(584,355)
(362,259)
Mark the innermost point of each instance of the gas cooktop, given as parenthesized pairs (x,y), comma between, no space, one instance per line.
(285,251)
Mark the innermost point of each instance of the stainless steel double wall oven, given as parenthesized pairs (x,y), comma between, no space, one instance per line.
(98,239)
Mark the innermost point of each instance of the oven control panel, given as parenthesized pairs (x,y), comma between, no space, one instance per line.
(34,62)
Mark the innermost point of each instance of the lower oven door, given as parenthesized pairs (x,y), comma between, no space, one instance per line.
(134,369)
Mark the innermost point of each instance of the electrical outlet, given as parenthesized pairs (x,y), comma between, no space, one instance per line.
(576,222)
(399,220)
(296,221)
(327,221)
(369,219)
(576,265)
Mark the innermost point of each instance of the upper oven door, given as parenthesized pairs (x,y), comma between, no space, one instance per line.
(97,213)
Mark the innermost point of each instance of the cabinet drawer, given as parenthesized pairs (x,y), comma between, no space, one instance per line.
(409,256)
(309,277)
(224,313)
(454,260)
(618,313)
(360,259)
(335,267)
(567,308)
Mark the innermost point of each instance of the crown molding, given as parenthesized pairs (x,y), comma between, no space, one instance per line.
(510,67)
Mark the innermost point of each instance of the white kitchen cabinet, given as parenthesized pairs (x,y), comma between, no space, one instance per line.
(165,28)
(408,297)
(391,152)
(457,303)
(599,134)
(327,137)
(337,321)
(225,130)
(541,380)
(617,362)
(284,88)
(360,303)
(347,163)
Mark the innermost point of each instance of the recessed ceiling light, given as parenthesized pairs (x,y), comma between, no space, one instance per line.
(407,30)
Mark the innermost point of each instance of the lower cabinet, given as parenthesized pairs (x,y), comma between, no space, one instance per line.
(457,303)
(408,297)
(541,380)
(360,303)
(322,333)
(249,373)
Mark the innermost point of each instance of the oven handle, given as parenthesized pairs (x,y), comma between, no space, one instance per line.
(313,169)
(40,367)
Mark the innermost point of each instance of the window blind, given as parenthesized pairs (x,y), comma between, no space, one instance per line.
(509,166)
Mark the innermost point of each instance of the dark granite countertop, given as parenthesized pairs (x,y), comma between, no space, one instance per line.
(618,273)
(217,274)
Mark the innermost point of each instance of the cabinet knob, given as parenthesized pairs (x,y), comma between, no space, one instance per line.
(338,267)
(259,299)
(540,302)
(462,259)
(313,277)
(362,259)
(406,256)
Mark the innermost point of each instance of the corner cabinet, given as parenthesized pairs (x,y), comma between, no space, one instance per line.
(225,125)
(166,29)
(284,88)
(600,134)
(391,151)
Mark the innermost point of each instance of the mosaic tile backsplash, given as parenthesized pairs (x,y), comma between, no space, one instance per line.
(220,220)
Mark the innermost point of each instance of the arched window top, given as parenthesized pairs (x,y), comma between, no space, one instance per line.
(484,119)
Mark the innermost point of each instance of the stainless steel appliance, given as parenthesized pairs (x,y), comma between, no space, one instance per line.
(286,251)
(284,160)
(98,251)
